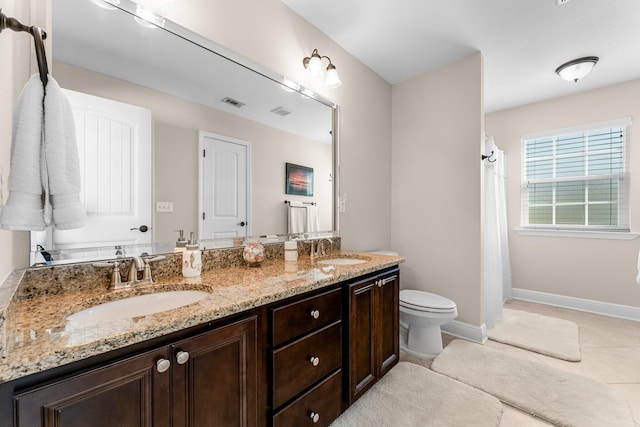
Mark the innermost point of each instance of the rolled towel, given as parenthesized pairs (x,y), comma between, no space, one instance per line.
(23,210)
(61,180)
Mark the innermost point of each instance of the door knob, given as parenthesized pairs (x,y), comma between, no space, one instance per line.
(142,228)
(242,223)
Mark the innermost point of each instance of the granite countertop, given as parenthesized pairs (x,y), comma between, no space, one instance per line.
(37,336)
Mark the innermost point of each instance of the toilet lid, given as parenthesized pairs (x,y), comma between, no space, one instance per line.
(425,301)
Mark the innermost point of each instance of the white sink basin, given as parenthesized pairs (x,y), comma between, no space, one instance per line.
(342,261)
(140,305)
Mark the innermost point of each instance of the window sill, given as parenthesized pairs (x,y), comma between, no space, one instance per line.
(580,234)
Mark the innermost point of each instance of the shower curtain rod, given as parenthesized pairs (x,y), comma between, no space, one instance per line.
(38,36)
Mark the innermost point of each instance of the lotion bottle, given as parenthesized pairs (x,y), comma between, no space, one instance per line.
(192,259)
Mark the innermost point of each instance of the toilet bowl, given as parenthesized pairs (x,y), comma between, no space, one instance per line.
(421,315)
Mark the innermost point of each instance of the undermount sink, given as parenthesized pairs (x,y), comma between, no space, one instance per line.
(140,305)
(341,261)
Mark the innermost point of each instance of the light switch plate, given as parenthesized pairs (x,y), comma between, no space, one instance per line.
(164,206)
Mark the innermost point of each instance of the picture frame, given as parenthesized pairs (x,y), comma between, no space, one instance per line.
(299,180)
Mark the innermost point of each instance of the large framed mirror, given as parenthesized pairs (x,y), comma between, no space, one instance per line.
(189,96)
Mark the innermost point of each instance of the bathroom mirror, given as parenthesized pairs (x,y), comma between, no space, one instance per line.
(193,89)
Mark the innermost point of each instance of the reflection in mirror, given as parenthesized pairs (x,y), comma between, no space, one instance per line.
(196,99)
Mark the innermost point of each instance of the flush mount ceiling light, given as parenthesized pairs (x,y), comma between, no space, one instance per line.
(573,71)
(313,64)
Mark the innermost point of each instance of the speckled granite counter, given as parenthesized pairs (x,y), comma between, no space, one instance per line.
(36,335)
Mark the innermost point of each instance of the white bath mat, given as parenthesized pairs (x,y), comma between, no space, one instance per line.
(559,397)
(542,334)
(414,396)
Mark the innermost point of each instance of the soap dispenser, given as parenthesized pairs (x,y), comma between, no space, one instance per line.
(181,243)
(192,258)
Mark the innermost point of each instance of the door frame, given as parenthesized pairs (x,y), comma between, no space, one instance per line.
(205,134)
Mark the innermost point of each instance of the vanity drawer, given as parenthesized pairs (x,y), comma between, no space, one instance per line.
(302,363)
(321,402)
(295,319)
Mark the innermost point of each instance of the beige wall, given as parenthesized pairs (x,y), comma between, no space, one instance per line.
(176,126)
(275,37)
(594,269)
(436,189)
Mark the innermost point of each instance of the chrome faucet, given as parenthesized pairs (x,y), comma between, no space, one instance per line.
(136,265)
(320,249)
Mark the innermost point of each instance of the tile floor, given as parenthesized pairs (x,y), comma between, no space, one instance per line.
(610,353)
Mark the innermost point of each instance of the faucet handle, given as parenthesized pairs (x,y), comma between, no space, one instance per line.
(146,274)
(116,280)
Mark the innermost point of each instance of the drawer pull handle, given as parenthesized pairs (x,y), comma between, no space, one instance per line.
(163,365)
(314,360)
(315,313)
(315,417)
(182,357)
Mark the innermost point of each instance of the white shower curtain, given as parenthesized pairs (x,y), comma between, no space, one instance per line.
(497,269)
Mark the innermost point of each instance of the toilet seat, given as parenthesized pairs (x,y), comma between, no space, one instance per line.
(425,301)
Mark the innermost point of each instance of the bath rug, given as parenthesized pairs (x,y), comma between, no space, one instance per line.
(556,396)
(541,334)
(411,395)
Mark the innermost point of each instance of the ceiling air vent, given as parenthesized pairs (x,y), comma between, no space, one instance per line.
(281,111)
(233,102)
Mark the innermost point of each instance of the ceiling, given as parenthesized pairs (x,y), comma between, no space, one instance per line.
(522,41)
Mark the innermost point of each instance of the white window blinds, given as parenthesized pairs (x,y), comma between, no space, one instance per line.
(577,179)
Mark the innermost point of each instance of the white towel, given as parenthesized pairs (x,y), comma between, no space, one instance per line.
(44,160)
(62,162)
(313,219)
(24,210)
(297,219)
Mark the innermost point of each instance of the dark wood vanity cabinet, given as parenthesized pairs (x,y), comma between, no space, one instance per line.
(306,360)
(205,380)
(372,310)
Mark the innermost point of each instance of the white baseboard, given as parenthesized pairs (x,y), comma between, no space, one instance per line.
(466,331)
(597,307)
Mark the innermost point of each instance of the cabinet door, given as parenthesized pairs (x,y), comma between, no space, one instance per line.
(128,393)
(361,338)
(373,332)
(388,323)
(214,377)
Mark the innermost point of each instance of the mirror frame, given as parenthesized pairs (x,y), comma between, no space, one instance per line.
(130,7)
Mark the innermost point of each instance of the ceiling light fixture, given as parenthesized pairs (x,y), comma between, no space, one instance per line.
(573,71)
(313,64)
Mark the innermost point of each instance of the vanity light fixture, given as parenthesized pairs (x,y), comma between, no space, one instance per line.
(313,64)
(573,71)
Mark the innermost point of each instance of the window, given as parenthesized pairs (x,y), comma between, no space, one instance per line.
(577,179)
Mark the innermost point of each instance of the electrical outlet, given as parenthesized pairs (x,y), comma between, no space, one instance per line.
(164,206)
(342,204)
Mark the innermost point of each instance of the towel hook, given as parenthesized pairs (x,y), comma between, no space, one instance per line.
(488,158)
(38,36)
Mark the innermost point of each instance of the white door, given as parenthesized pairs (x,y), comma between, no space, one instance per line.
(224,187)
(115,149)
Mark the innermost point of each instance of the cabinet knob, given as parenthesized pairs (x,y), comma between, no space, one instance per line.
(315,417)
(314,360)
(162,365)
(182,357)
(380,283)
(315,313)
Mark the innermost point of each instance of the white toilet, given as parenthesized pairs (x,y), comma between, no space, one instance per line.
(421,315)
